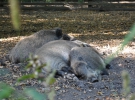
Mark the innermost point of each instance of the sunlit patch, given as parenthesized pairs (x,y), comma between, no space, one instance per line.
(12,38)
(101,48)
(78,34)
(124,2)
(120,65)
(127,49)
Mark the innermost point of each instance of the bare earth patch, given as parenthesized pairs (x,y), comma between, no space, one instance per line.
(109,88)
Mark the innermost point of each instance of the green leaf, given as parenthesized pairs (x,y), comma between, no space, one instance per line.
(51,95)
(129,37)
(34,94)
(25,77)
(29,65)
(50,79)
(126,83)
(5,91)
(132,97)
(15,13)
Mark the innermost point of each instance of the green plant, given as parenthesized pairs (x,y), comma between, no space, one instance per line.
(126,83)
(129,37)
(125,76)
(15,14)
(36,67)
(5,91)
(126,86)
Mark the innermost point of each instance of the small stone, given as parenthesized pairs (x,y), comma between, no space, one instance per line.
(69,76)
(7,62)
(14,76)
(64,77)
(57,88)
(84,92)
(59,99)
(63,91)
(66,86)
(73,75)
(90,90)
(1,66)
(75,79)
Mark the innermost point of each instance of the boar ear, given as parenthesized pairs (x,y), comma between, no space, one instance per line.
(58,32)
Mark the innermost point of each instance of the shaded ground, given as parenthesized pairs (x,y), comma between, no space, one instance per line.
(105,33)
(70,21)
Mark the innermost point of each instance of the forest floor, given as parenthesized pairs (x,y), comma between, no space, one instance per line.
(103,30)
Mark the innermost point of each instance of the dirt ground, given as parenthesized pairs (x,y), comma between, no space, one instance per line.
(105,41)
(109,88)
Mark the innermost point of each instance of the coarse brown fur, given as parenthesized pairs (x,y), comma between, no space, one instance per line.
(87,63)
(30,44)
